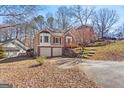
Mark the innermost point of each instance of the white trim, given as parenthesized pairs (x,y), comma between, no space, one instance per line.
(59,40)
(44,43)
(68,37)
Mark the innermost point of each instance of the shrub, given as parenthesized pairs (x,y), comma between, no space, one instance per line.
(40,60)
(1,53)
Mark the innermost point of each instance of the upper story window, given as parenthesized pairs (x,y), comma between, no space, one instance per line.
(56,40)
(46,39)
(68,39)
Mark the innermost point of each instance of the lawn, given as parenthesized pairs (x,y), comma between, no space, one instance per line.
(25,74)
(114,51)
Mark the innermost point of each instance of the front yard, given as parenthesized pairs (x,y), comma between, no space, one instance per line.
(113,51)
(24,74)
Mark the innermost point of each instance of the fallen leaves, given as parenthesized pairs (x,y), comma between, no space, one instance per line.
(48,75)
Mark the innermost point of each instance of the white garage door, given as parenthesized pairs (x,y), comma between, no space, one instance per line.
(57,51)
(45,52)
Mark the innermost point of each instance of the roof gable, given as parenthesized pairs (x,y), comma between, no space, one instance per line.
(53,32)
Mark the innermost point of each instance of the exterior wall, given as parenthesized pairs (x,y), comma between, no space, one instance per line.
(36,43)
(73,44)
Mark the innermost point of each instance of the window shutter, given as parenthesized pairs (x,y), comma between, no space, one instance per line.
(41,39)
(53,39)
(60,40)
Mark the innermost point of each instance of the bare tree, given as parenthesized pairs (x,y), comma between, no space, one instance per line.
(80,14)
(104,20)
(62,18)
(20,19)
(18,10)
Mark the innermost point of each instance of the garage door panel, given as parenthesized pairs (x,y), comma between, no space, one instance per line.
(45,52)
(57,51)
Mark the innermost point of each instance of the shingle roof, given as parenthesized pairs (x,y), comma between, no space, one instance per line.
(10,49)
(20,44)
(56,32)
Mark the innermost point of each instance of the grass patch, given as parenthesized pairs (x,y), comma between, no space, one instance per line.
(114,51)
(2,54)
(40,60)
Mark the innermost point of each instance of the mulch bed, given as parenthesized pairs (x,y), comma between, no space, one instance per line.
(22,75)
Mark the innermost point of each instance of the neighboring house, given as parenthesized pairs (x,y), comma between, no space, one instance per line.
(83,34)
(28,41)
(49,43)
(13,48)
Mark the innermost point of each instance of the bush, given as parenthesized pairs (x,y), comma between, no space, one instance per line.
(40,60)
(1,53)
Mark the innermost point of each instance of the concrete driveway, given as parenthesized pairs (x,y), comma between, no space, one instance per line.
(108,74)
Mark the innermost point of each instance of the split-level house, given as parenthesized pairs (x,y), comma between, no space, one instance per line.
(50,42)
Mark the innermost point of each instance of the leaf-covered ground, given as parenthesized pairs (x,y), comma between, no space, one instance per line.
(21,74)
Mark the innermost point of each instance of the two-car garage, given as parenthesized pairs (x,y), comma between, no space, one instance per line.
(50,51)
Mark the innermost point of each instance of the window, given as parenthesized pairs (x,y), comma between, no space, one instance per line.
(69,39)
(57,40)
(46,39)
